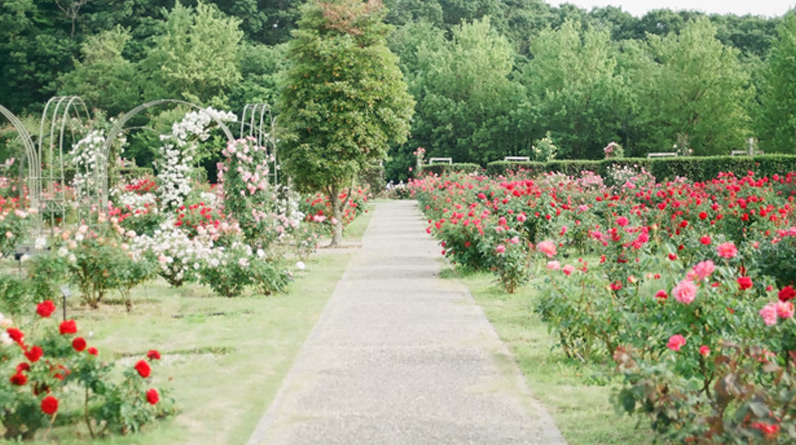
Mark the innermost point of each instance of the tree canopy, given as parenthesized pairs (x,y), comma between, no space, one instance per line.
(344,100)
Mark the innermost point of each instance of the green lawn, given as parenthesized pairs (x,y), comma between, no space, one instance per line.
(576,395)
(226,358)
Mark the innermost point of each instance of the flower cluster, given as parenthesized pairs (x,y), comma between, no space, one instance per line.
(687,285)
(55,364)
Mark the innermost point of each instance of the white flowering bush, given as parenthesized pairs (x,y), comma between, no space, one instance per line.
(544,150)
(240,266)
(625,176)
(178,154)
(180,258)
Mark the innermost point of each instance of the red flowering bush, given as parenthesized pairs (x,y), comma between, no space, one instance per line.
(685,285)
(54,369)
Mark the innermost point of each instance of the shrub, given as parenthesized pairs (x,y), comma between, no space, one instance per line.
(441,169)
(54,372)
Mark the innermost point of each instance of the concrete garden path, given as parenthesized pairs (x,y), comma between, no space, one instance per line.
(400,356)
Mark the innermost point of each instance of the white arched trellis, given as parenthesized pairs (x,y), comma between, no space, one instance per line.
(48,174)
(31,156)
(258,122)
(118,128)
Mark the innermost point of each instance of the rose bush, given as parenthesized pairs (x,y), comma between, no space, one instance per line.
(687,286)
(50,369)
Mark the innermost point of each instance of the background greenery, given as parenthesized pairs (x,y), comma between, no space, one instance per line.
(489,77)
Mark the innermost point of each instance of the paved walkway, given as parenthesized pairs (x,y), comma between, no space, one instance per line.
(400,356)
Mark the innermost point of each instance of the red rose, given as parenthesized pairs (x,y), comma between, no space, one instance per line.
(705,240)
(45,308)
(787,293)
(744,283)
(703,215)
(15,335)
(68,327)
(34,354)
(153,354)
(79,343)
(24,366)
(152,396)
(93,351)
(18,379)
(143,368)
(61,372)
(49,405)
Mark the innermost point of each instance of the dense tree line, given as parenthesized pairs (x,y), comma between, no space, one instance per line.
(489,77)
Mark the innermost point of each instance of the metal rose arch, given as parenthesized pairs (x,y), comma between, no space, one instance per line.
(118,128)
(31,155)
(47,176)
(258,122)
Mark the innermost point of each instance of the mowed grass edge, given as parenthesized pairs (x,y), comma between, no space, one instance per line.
(577,396)
(225,358)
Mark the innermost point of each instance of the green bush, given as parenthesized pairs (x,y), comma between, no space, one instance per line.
(441,169)
(504,167)
(573,168)
(15,294)
(694,168)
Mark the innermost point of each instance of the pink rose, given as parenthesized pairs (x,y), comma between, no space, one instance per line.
(703,269)
(785,309)
(769,314)
(685,291)
(568,269)
(547,248)
(553,265)
(727,250)
(676,342)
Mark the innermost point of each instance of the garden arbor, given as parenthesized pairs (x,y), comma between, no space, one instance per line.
(54,162)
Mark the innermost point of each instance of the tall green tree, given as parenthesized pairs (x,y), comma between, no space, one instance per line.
(466,98)
(697,88)
(195,58)
(344,100)
(573,89)
(104,78)
(777,120)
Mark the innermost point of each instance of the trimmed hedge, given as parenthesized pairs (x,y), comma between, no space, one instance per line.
(502,167)
(441,169)
(693,168)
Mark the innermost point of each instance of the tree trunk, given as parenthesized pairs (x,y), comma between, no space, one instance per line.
(337,215)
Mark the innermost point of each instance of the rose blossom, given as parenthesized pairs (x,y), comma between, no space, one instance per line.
(68,327)
(45,308)
(49,405)
(786,293)
(727,250)
(143,368)
(704,351)
(553,265)
(744,283)
(769,314)
(784,309)
(79,344)
(152,396)
(685,291)
(568,269)
(676,342)
(703,269)
(547,248)
(500,248)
